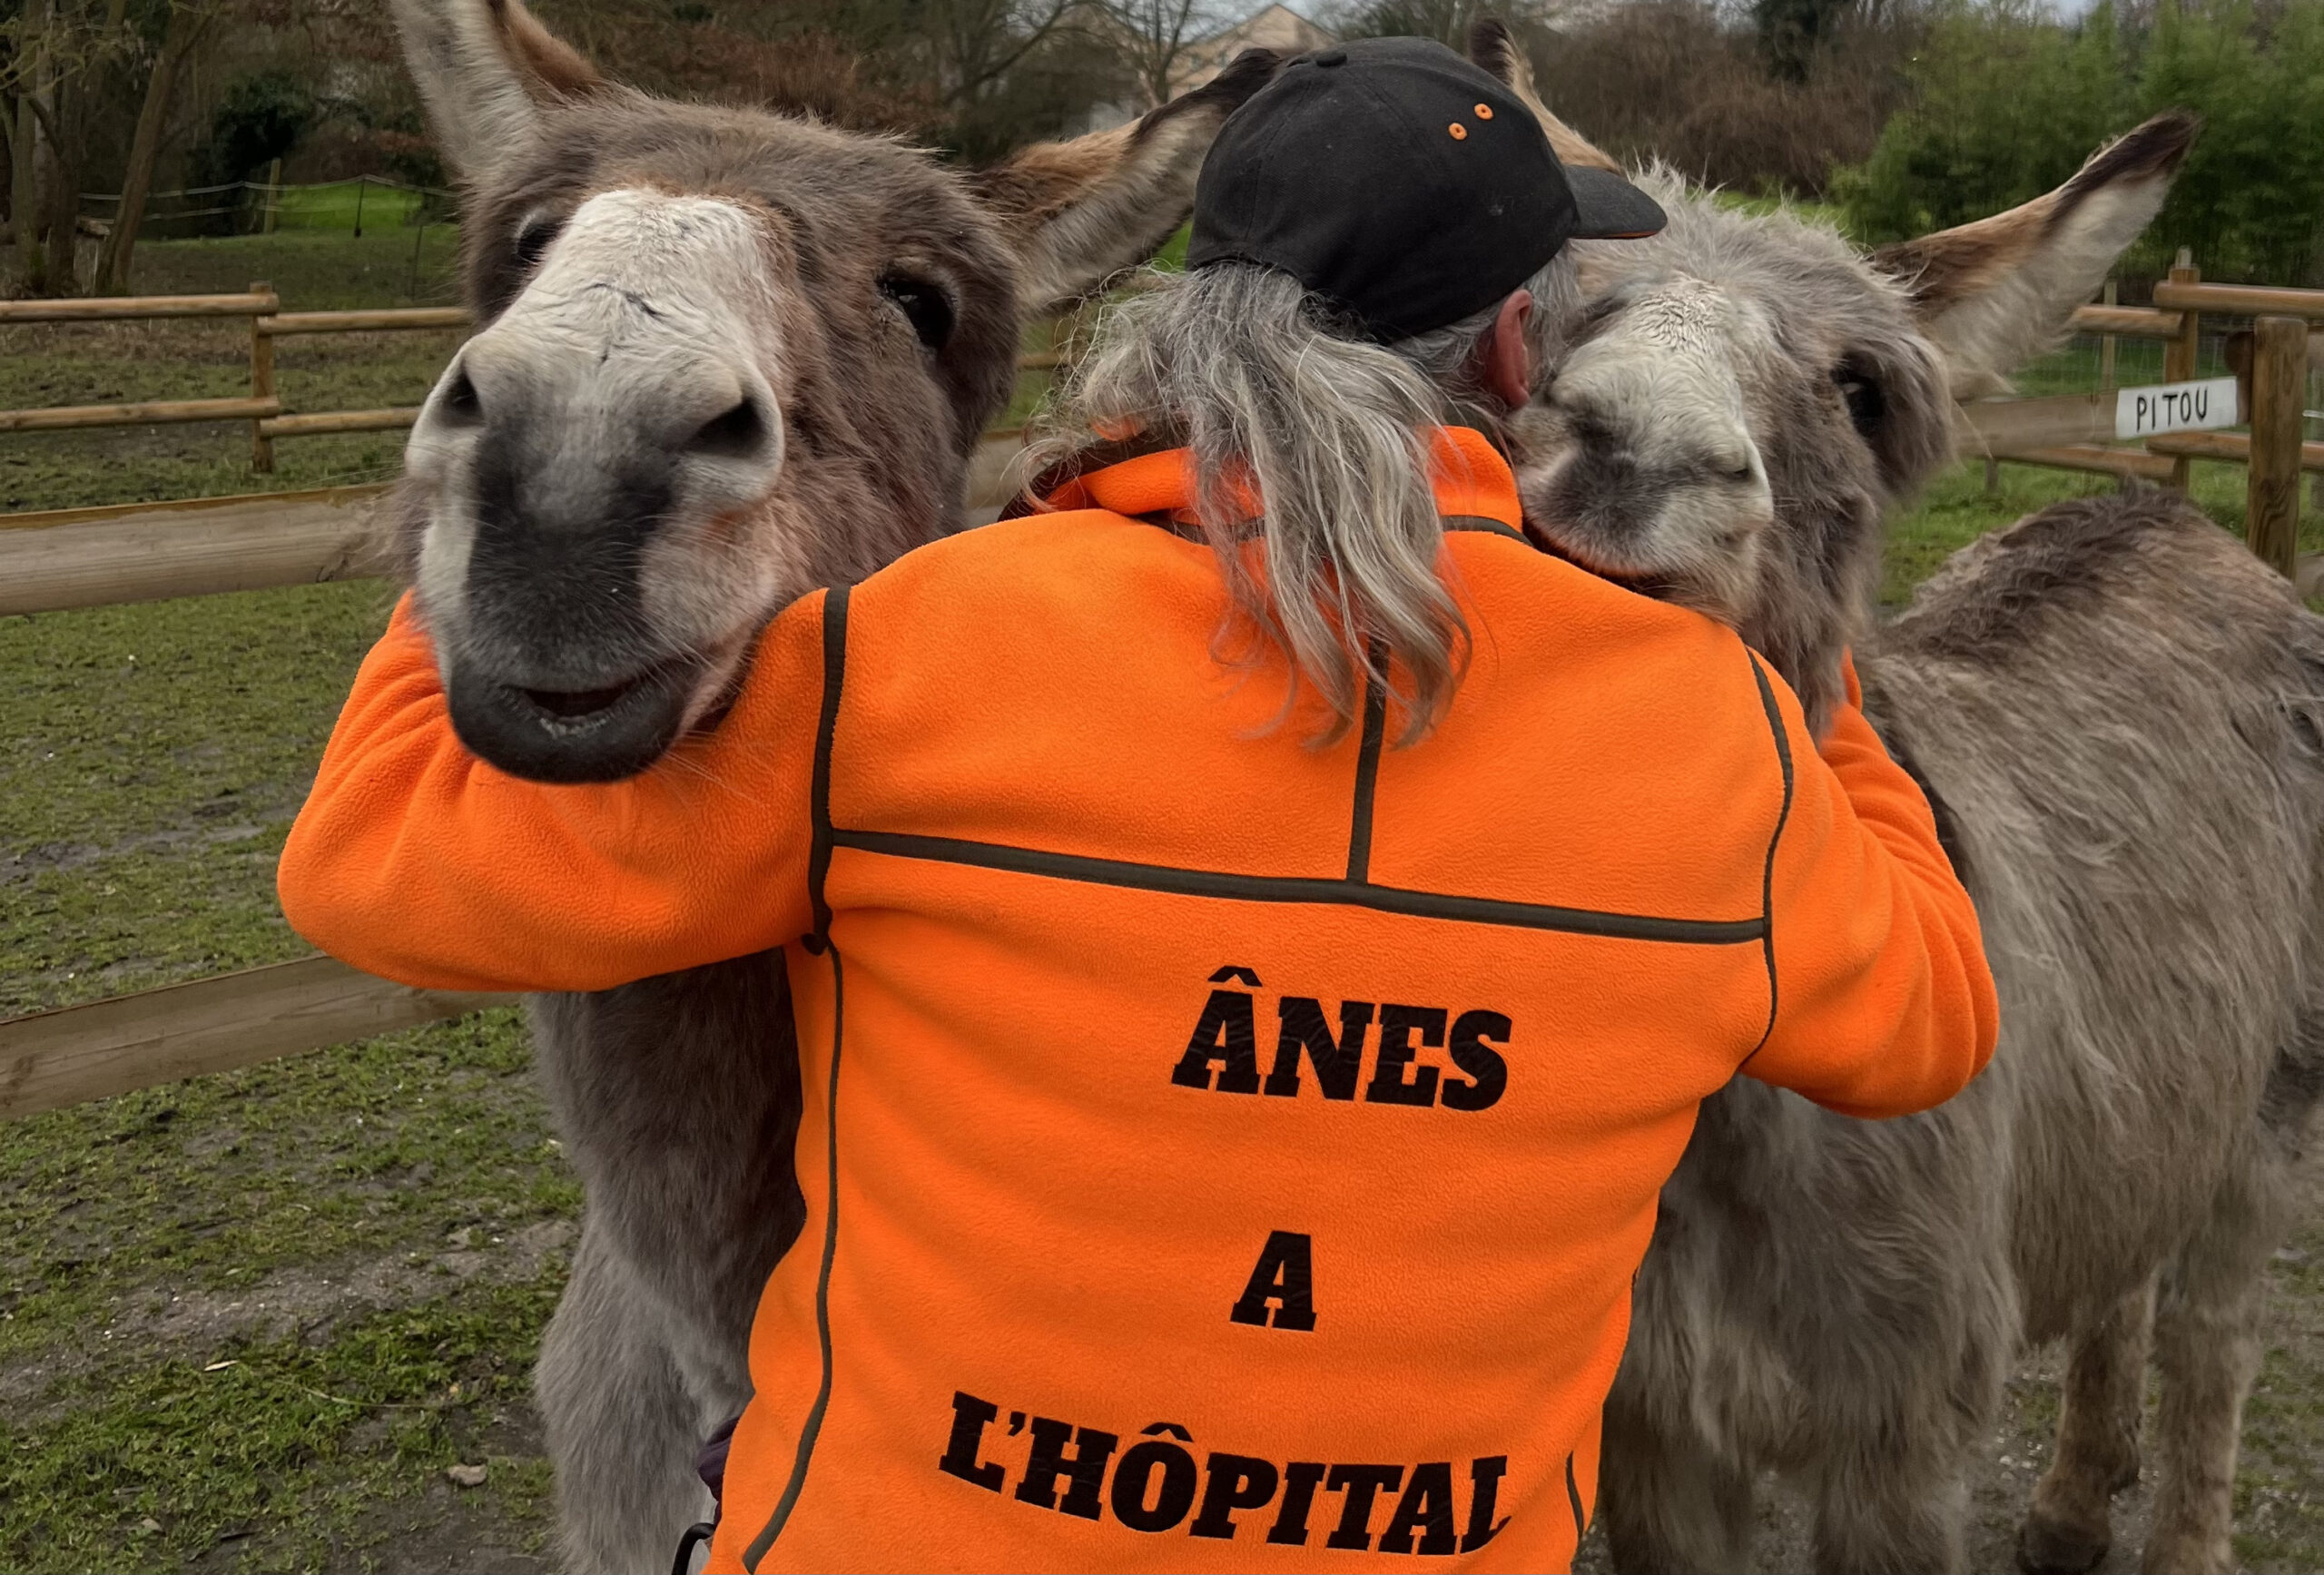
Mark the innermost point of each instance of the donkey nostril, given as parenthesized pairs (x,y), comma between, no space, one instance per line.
(461,406)
(737,434)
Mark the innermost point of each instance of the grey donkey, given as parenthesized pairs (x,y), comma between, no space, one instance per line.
(2115,710)
(726,355)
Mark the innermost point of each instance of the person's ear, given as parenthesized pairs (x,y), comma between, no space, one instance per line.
(1507,361)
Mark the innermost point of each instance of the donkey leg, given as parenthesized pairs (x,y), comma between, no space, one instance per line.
(1890,1502)
(2207,1348)
(622,1430)
(1669,1503)
(2069,1529)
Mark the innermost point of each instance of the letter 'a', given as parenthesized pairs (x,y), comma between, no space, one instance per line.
(1286,1275)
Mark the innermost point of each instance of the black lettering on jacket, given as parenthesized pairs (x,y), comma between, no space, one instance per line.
(1285,1273)
(1488,1074)
(1484,1491)
(1389,1084)
(1301,1478)
(1363,1484)
(1237,1482)
(1337,1066)
(1134,1484)
(1087,1468)
(1154,1486)
(1222,1053)
(1426,1508)
(970,1417)
(1228,1036)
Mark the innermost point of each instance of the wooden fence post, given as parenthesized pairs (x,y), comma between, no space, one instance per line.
(2179,355)
(2106,344)
(262,383)
(2278,382)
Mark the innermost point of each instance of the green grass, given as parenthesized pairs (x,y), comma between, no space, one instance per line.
(1762,204)
(338,207)
(356,1231)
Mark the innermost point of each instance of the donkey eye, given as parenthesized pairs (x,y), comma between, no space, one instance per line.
(533,240)
(1860,391)
(924,306)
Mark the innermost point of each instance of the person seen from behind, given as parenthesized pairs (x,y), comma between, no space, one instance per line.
(1259,929)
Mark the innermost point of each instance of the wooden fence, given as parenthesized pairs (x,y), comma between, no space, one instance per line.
(2270,361)
(262,409)
(98,557)
(85,558)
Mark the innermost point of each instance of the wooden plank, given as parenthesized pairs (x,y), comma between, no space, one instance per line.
(2004,426)
(2278,382)
(2233,447)
(261,388)
(2181,355)
(58,418)
(2242,300)
(124,308)
(44,518)
(338,422)
(387,319)
(166,552)
(2130,322)
(80,1053)
(2091,457)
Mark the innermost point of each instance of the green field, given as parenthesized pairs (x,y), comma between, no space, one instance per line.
(247,1322)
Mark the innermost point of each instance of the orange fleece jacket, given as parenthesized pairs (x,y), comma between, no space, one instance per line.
(1219,1152)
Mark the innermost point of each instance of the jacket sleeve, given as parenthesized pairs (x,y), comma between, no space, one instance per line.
(1884,1004)
(415,861)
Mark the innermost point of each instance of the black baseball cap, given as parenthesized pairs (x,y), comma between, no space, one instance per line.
(1404,185)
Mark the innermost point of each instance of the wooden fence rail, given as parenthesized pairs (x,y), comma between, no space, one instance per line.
(94,557)
(130,307)
(76,1053)
(263,406)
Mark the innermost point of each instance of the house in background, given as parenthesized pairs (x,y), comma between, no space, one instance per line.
(1278,27)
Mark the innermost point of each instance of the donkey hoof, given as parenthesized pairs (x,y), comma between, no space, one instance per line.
(2051,1547)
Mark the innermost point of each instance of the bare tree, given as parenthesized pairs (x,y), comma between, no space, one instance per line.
(1155,35)
(52,53)
(188,24)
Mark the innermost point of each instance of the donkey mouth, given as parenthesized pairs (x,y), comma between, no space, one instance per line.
(1640,582)
(573,735)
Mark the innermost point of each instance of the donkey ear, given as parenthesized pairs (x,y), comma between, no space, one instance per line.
(483,68)
(1997,292)
(1084,209)
(1494,47)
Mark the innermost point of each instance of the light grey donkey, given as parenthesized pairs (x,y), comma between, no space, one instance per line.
(2115,710)
(725,356)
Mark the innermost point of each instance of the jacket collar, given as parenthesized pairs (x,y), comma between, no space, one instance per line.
(1467,473)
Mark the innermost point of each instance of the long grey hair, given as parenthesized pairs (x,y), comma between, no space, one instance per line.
(1331,432)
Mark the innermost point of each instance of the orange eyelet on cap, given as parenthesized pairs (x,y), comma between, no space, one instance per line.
(1484,112)
(1460,132)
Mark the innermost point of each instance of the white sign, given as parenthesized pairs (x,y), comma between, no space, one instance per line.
(2198,407)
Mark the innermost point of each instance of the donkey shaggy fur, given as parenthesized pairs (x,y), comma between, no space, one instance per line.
(2118,713)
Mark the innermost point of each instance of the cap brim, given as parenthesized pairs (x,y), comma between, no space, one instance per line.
(1608,208)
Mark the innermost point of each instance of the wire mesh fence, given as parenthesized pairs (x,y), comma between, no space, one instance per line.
(261,207)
